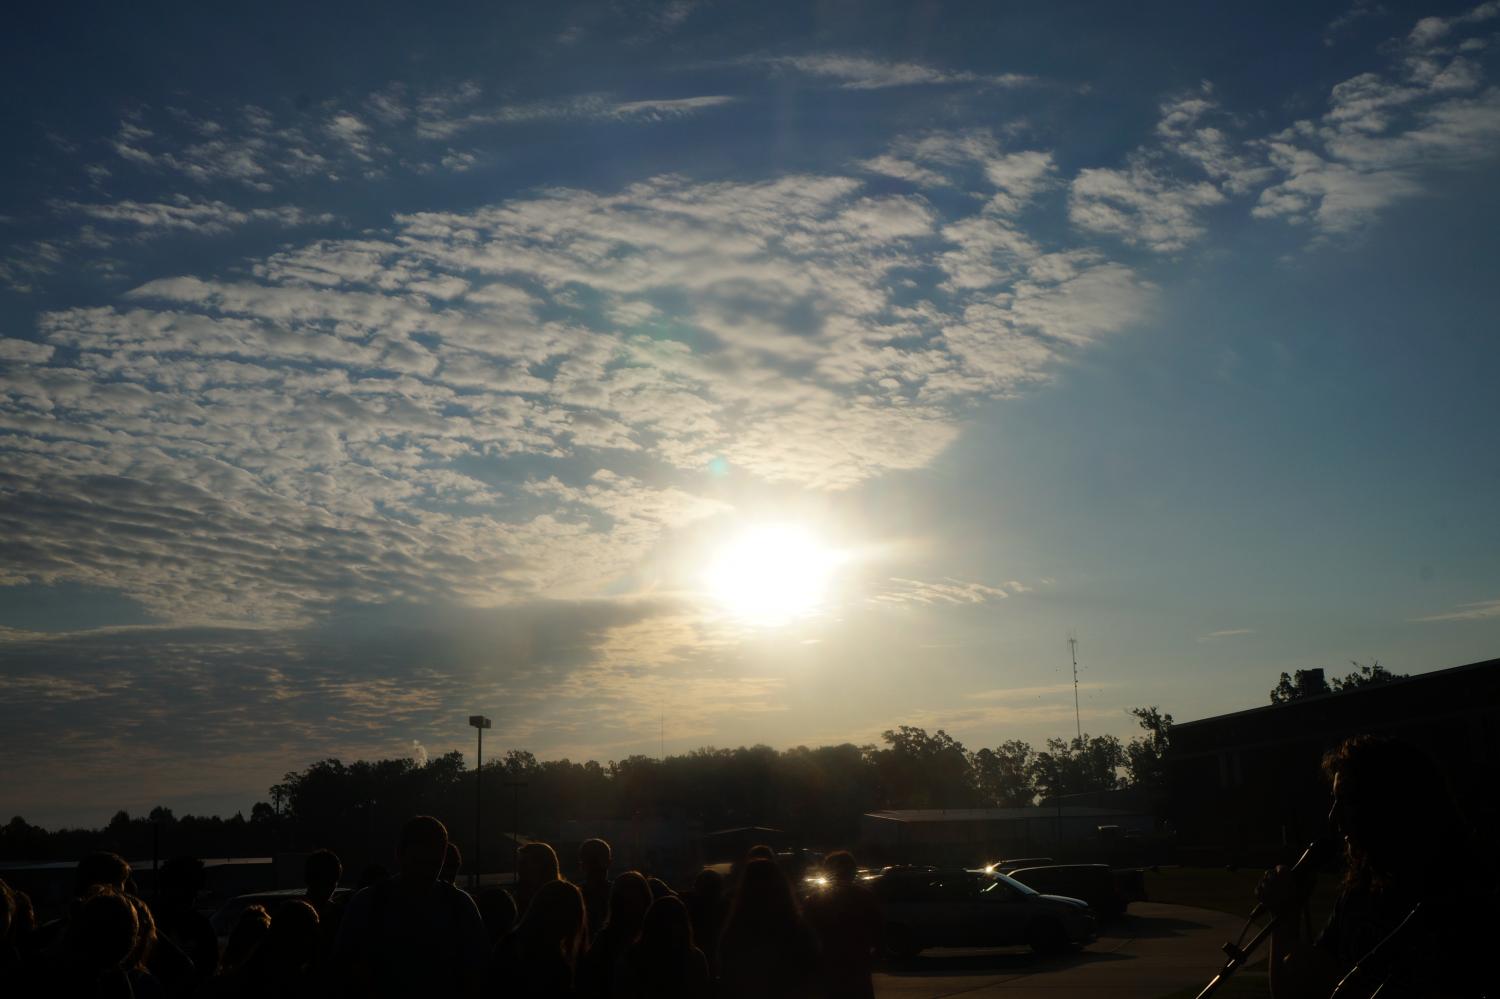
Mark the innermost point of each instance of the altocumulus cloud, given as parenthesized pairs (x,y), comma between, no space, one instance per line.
(251,449)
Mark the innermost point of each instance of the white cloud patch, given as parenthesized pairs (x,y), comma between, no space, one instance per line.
(862,73)
(1214,636)
(1141,206)
(945,591)
(1384,134)
(184,214)
(1478,611)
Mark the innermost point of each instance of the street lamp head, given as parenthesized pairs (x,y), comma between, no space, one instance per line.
(479,721)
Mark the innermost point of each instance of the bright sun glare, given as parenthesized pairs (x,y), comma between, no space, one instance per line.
(771,574)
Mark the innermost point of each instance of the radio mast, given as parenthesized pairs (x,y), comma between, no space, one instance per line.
(1077,717)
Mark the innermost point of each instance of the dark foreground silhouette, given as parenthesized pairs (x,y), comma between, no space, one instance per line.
(1415,914)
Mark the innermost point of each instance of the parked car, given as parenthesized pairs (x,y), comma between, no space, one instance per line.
(1015,864)
(940,907)
(1094,883)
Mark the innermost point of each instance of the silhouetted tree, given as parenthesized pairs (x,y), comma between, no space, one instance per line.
(1003,774)
(918,770)
(1366,676)
(1304,683)
(1309,682)
(1078,765)
(1145,756)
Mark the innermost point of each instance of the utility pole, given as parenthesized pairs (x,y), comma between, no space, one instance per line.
(1077,715)
(480,723)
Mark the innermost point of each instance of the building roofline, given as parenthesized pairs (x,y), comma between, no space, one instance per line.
(1357,692)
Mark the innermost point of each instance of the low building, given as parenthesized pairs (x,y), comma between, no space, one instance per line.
(1244,786)
(974,836)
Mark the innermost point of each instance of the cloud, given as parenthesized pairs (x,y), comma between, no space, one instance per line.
(1430,30)
(25,351)
(184,214)
(1141,206)
(442,117)
(1385,133)
(862,73)
(192,708)
(390,128)
(947,591)
(443,409)
(1478,611)
(1226,633)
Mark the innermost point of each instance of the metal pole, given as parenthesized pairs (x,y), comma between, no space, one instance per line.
(478,808)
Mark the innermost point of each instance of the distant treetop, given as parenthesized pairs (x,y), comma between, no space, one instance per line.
(1310,682)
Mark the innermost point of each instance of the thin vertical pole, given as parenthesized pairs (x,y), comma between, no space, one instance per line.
(1077,716)
(478,807)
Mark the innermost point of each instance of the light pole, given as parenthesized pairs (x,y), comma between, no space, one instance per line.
(480,723)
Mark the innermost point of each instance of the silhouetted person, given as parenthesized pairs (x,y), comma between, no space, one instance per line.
(659,888)
(707,906)
(498,910)
(1405,844)
(629,898)
(245,937)
(845,915)
(536,865)
(320,874)
(594,857)
(283,963)
(94,870)
(540,957)
(10,952)
(99,938)
(766,948)
(177,919)
(665,963)
(453,860)
(413,934)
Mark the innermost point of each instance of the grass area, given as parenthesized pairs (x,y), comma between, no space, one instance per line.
(1228,891)
(1246,985)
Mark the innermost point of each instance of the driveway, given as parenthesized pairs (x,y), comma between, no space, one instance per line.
(1154,950)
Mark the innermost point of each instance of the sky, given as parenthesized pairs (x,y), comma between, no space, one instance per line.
(648,376)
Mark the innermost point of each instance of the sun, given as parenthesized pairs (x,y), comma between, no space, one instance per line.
(771,574)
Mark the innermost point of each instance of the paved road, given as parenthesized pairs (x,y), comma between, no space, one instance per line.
(1155,950)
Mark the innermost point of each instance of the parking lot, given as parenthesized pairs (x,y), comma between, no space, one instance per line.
(1155,950)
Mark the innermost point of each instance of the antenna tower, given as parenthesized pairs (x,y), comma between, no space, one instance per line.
(1077,717)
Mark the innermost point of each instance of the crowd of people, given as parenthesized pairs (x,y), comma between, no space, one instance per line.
(415,933)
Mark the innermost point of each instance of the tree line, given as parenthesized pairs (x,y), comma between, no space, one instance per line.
(816,795)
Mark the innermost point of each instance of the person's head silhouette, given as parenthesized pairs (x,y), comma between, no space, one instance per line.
(103,868)
(102,932)
(179,882)
(249,932)
(292,942)
(320,873)
(1393,807)
(555,920)
(629,898)
(421,848)
(594,857)
(667,928)
(841,867)
(536,865)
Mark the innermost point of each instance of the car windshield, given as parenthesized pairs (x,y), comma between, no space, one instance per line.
(1001,879)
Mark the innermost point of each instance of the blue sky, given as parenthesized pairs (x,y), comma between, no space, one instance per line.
(361,369)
